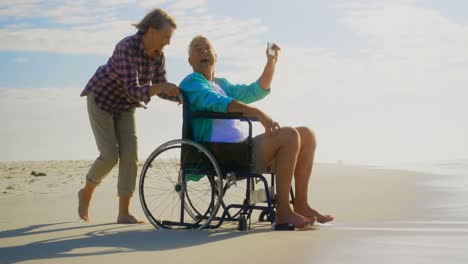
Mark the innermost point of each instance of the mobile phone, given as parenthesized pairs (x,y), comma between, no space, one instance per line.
(271,50)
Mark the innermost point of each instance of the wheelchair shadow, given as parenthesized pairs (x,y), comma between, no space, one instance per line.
(104,239)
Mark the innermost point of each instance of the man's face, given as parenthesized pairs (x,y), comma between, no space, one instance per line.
(202,57)
(162,37)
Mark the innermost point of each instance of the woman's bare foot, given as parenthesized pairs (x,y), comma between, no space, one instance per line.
(83,204)
(309,213)
(128,219)
(293,218)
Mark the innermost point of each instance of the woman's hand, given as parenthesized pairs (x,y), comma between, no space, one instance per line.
(168,91)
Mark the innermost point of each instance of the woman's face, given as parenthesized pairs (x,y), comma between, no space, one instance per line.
(161,37)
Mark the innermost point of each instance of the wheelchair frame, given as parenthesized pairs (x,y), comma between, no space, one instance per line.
(196,162)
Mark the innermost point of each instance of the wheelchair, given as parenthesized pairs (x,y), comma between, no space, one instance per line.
(200,185)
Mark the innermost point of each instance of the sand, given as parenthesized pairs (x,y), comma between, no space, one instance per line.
(382,216)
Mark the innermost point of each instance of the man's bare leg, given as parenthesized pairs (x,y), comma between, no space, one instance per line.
(84,199)
(283,148)
(302,174)
(124,216)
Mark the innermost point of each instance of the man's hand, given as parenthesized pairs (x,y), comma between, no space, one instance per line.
(271,127)
(269,70)
(273,58)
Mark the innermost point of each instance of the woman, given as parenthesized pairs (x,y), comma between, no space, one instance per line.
(133,74)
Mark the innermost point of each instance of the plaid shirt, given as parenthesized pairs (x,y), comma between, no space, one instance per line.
(124,82)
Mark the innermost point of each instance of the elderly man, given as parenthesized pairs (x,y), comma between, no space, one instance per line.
(288,151)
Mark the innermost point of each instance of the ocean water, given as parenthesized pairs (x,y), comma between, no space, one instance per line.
(448,167)
(437,233)
(449,187)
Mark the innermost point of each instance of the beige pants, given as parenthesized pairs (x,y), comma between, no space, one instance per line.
(116,139)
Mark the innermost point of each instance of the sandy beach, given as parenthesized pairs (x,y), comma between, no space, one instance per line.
(382,216)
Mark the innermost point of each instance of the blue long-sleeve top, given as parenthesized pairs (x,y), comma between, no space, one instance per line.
(202,97)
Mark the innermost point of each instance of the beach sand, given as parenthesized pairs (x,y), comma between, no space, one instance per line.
(382,216)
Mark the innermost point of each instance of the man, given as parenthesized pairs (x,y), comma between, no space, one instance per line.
(288,151)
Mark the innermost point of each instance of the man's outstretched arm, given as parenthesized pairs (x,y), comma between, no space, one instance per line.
(269,70)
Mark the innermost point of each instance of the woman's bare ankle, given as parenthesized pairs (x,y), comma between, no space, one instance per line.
(128,219)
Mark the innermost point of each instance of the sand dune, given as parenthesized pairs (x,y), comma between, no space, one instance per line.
(382,216)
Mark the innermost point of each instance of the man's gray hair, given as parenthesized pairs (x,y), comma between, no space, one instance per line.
(197,38)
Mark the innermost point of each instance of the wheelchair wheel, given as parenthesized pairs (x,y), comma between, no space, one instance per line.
(265,216)
(181,186)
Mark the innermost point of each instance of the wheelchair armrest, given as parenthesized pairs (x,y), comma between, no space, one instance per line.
(218,115)
(232,115)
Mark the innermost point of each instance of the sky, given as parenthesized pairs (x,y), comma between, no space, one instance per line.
(379,82)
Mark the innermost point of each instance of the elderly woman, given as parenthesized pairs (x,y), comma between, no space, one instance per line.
(133,74)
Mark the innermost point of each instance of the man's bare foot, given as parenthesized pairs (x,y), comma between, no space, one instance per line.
(292,218)
(309,213)
(83,205)
(128,219)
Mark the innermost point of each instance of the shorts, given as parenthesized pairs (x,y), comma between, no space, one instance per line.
(259,165)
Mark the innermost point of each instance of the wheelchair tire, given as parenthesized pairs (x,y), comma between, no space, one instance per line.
(181,186)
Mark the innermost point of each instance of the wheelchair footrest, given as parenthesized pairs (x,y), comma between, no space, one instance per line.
(283,227)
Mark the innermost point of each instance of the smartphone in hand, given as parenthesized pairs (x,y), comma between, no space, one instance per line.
(271,50)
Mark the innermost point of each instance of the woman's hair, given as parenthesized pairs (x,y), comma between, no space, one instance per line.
(156,19)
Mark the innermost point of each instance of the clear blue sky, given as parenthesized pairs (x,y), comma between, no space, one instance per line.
(380,81)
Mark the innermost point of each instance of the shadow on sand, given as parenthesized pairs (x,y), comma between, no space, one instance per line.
(103,239)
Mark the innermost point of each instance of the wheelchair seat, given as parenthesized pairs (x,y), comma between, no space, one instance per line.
(232,157)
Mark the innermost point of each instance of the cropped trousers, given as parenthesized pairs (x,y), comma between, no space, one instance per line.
(116,141)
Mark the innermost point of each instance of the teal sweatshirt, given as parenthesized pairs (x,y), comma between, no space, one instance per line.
(202,97)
